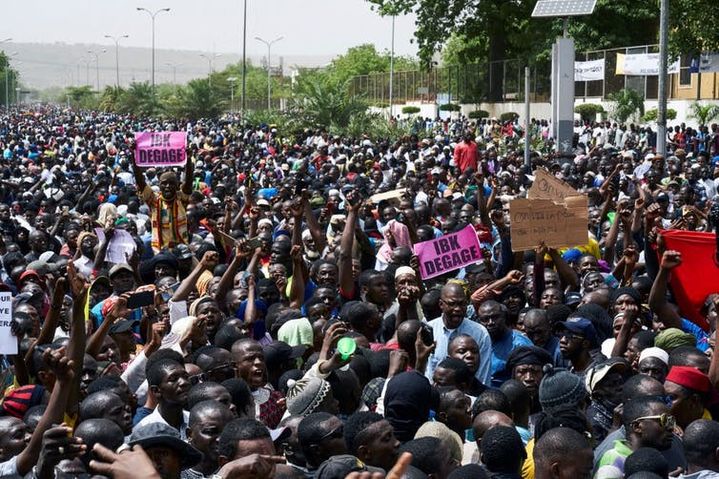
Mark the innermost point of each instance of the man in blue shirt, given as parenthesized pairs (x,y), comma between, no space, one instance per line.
(493,316)
(453,302)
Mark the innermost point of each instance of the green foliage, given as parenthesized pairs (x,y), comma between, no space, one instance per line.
(449,107)
(478,114)
(704,113)
(363,60)
(588,111)
(508,116)
(501,29)
(693,27)
(411,110)
(199,100)
(323,102)
(81,97)
(625,104)
(653,114)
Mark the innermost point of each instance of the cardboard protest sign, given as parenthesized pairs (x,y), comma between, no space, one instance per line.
(163,148)
(8,341)
(548,187)
(388,195)
(448,252)
(535,220)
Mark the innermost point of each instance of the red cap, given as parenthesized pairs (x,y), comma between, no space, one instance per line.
(690,378)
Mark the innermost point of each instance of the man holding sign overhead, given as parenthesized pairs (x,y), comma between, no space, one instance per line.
(167,209)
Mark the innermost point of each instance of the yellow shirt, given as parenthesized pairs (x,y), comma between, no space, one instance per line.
(169,219)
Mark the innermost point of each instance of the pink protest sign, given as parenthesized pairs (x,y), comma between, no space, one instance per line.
(162,148)
(448,252)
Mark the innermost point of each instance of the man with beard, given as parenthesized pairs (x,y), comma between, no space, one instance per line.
(453,303)
(604,383)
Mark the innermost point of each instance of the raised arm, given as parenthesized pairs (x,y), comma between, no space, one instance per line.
(189,168)
(53,315)
(348,235)
(78,335)
(297,290)
(314,226)
(208,262)
(139,175)
(566,272)
(63,367)
(658,295)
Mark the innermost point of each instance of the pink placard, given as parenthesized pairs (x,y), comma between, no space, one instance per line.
(448,252)
(162,148)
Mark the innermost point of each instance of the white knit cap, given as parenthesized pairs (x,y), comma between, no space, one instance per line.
(653,352)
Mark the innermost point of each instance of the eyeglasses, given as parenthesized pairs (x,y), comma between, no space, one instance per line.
(197,378)
(337,432)
(666,421)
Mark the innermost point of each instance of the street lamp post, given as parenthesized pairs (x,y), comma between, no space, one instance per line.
(210,59)
(244,60)
(174,71)
(232,81)
(391,70)
(152,16)
(269,65)
(97,67)
(117,56)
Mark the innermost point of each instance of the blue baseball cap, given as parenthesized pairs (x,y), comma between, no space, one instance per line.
(581,326)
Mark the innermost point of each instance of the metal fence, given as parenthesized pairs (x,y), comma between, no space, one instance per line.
(503,81)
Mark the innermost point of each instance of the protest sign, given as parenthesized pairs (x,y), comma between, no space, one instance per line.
(388,195)
(121,245)
(558,225)
(8,341)
(164,148)
(548,187)
(641,64)
(448,252)
(589,71)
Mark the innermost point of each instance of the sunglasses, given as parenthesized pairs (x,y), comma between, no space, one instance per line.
(666,421)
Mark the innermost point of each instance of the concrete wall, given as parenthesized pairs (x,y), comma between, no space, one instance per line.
(543,110)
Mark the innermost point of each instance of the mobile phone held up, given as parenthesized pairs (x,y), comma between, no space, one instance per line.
(140,299)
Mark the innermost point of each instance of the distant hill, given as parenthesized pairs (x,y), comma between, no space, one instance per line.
(44,65)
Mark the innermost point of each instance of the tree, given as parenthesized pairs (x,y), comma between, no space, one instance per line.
(512,33)
(81,97)
(198,100)
(626,103)
(139,99)
(363,60)
(704,113)
(112,98)
(694,27)
(325,102)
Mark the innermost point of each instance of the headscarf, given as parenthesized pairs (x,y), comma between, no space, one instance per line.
(196,304)
(401,237)
(296,332)
(107,211)
(407,402)
(448,437)
(673,338)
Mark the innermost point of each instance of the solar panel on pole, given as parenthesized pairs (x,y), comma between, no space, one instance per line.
(563,8)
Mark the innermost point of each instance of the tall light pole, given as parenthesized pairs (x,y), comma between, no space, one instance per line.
(117,56)
(663,59)
(391,70)
(269,67)
(174,71)
(97,66)
(244,60)
(7,68)
(210,59)
(232,81)
(152,16)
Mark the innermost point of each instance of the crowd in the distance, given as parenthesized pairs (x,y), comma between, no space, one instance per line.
(254,314)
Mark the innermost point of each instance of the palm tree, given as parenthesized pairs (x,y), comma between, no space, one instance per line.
(198,100)
(704,113)
(112,98)
(327,103)
(626,102)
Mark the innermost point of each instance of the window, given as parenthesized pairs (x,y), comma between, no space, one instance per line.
(685,72)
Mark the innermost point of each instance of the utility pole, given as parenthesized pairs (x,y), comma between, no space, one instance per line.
(232,81)
(174,71)
(663,72)
(152,16)
(391,70)
(244,60)
(97,66)
(269,67)
(210,59)
(7,69)
(117,56)
(527,161)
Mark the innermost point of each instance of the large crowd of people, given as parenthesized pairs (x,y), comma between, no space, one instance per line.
(254,313)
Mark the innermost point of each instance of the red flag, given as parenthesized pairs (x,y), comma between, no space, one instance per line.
(698,275)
